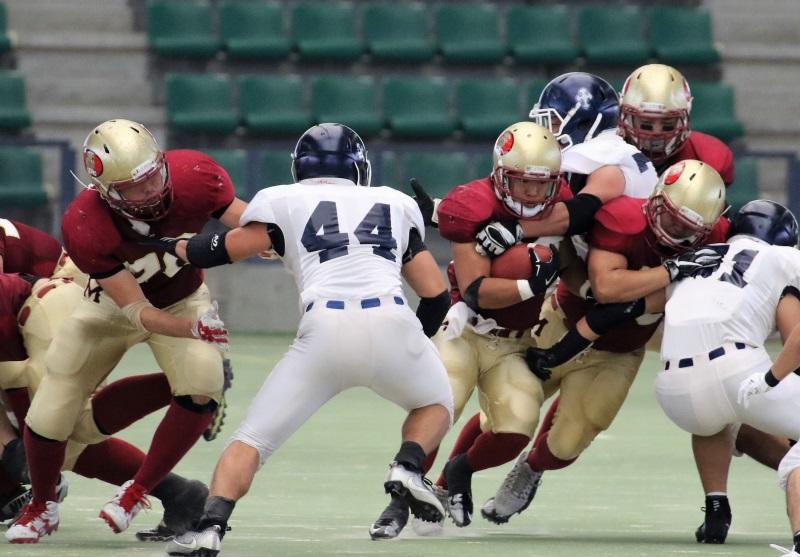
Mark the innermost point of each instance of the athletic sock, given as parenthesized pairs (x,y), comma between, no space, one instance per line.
(45,459)
(114,461)
(410,456)
(466,437)
(542,459)
(127,400)
(493,449)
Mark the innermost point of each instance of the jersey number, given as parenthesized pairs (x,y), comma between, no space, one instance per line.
(322,232)
(741,262)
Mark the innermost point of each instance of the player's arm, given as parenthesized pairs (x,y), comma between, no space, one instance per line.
(233,213)
(211,249)
(613,282)
(423,275)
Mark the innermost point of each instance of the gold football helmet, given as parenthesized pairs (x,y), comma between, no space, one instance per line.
(655,107)
(119,155)
(527,153)
(685,205)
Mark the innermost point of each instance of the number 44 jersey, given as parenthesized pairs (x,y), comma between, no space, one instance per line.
(736,303)
(341,241)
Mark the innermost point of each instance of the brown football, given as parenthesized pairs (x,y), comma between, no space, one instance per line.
(515,263)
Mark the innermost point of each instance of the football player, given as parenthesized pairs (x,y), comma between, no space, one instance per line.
(637,248)
(346,245)
(716,369)
(136,293)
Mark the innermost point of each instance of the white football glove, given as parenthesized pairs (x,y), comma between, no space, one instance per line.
(752,386)
(691,263)
(496,237)
(210,328)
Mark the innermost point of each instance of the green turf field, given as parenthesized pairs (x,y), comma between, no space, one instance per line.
(633,493)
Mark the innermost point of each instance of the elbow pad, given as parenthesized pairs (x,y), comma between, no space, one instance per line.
(604,317)
(470,295)
(415,245)
(581,209)
(431,312)
(207,250)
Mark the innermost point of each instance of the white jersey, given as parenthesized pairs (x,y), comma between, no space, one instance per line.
(736,303)
(342,241)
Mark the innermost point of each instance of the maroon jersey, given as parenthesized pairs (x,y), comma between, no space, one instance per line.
(25,249)
(462,214)
(706,148)
(13,293)
(621,227)
(102,242)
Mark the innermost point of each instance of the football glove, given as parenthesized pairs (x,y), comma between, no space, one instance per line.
(166,244)
(758,383)
(427,204)
(544,273)
(692,263)
(496,237)
(540,361)
(210,328)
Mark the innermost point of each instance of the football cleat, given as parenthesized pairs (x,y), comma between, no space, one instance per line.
(714,528)
(161,533)
(197,544)
(36,521)
(218,419)
(416,492)
(11,504)
(391,521)
(515,493)
(458,476)
(185,509)
(426,527)
(785,552)
(126,504)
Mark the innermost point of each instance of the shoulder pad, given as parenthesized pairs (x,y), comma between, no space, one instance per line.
(465,208)
(623,215)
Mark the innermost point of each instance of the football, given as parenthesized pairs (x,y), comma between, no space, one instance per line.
(515,263)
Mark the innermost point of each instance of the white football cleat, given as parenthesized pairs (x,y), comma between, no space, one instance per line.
(417,493)
(784,551)
(197,544)
(515,493)
(36,521)
(126,504)
(427,528)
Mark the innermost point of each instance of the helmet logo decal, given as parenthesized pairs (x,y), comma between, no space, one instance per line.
(583,97)
(92,163)
(505,142)
(674,173)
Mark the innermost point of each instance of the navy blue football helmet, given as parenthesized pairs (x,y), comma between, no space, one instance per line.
(766,220)
(331,150)
(576,107)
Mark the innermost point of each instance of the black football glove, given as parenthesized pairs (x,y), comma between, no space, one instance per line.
(496,237)
(540,361)
(426,204)
(545,273)
(692,263)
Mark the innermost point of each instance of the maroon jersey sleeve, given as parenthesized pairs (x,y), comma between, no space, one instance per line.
(465,209)
(90,235)
(13,293)
(25,249)
(210,185)
(719,233)
(712,151)
(617,223)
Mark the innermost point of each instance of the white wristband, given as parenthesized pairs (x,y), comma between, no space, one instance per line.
(524,289)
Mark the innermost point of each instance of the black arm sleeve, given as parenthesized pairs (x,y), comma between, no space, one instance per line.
(276,237)
(431,312)
(790,291)
(207,250)
(604,317)
(415,245)
(581,209)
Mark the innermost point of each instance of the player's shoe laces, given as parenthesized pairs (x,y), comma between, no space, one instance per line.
(218,418)
(36,521)
(126,504)
(391,521)
(426,527)
(515,493)
(714,528)
(458,476)
(784,551)
(206,543)
(416,492)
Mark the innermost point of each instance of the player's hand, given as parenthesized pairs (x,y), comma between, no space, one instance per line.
(166,244)
(496,237)
(427,204)
(210,328)
(539,362)
(545,273)
(752,386)
(692,263)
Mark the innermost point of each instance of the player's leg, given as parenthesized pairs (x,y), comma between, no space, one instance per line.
(789,480)
(712,455)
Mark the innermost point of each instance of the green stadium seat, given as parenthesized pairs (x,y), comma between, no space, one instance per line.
(534,90)
(234,161)
(745,184)
(14,113)
(6,43)
(346,100)
(417,107)
(713,110)
(273,104)
(483,164)
(487,106)
(437,172)
(540,35)
(326,31)
(275,169)
(397,32)
(21,178)
(251,29)
(181,28)
(682,35)
(201,103)
(612,35)
(469,33)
